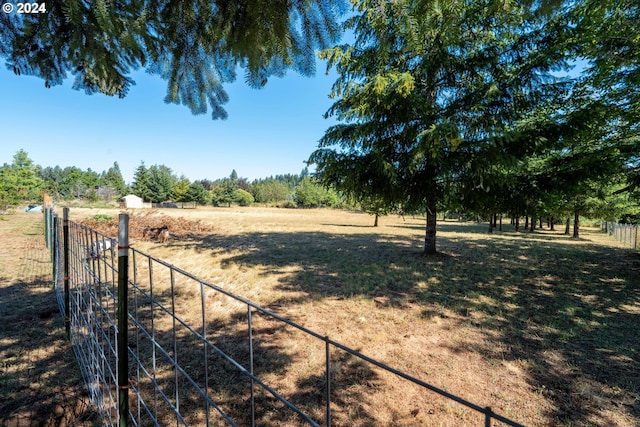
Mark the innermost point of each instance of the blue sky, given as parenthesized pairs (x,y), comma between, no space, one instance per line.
(269,131)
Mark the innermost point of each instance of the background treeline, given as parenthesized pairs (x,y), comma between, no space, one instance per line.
(522,192)
(23,181)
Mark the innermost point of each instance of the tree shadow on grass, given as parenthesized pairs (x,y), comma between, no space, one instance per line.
(569,310)
(41,383)
(572,312)
(281,356)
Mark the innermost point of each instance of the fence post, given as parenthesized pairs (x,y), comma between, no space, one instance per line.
(626,228)
(67,299)
(487,416)
(54,249)
(327,355)
(45,212)
(123,342)
(51,221)
(253,398)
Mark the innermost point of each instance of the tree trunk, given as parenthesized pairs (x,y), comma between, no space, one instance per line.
(491,223)
(566,228)
(500,223)
(375,221)
(526,222)
(551,224)
(533,223)
(517,223)
(576,226)
(540,223)
(430,233)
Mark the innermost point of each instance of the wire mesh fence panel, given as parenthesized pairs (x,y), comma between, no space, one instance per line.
(627,234)
(199,355)
(91,298)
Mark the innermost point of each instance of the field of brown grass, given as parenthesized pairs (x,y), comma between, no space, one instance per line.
(538,326)
(40,383)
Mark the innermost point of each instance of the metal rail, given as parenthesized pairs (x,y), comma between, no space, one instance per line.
(160,388)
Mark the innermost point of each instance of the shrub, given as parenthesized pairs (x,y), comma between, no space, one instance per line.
(311,194)
(104,217)
(242,197)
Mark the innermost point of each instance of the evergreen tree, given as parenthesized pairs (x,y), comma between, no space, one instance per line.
(19,181)
(195,46)
(8,187)
(28,186)
(113,178)
(142,183)
(72,185)
(608,37)
(161,180)
(53,178)
(428,89)
(179,190)
(223,193)
(197,193)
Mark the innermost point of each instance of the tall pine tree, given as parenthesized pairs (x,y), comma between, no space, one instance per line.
(142,183)
(429,88)
(113,178)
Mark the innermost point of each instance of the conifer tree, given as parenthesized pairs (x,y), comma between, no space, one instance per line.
(142,183)
(19,181)
(196,46)
(197,193)
(113,178)
(609,39)
(179,190)
(161,180)
(27,183)
(430,89)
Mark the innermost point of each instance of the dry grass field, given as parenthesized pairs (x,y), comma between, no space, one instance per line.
(541,327)
(40,384)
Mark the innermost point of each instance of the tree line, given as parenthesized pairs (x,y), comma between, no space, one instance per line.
(23,181)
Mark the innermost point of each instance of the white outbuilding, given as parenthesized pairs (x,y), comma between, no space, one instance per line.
(131,201)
